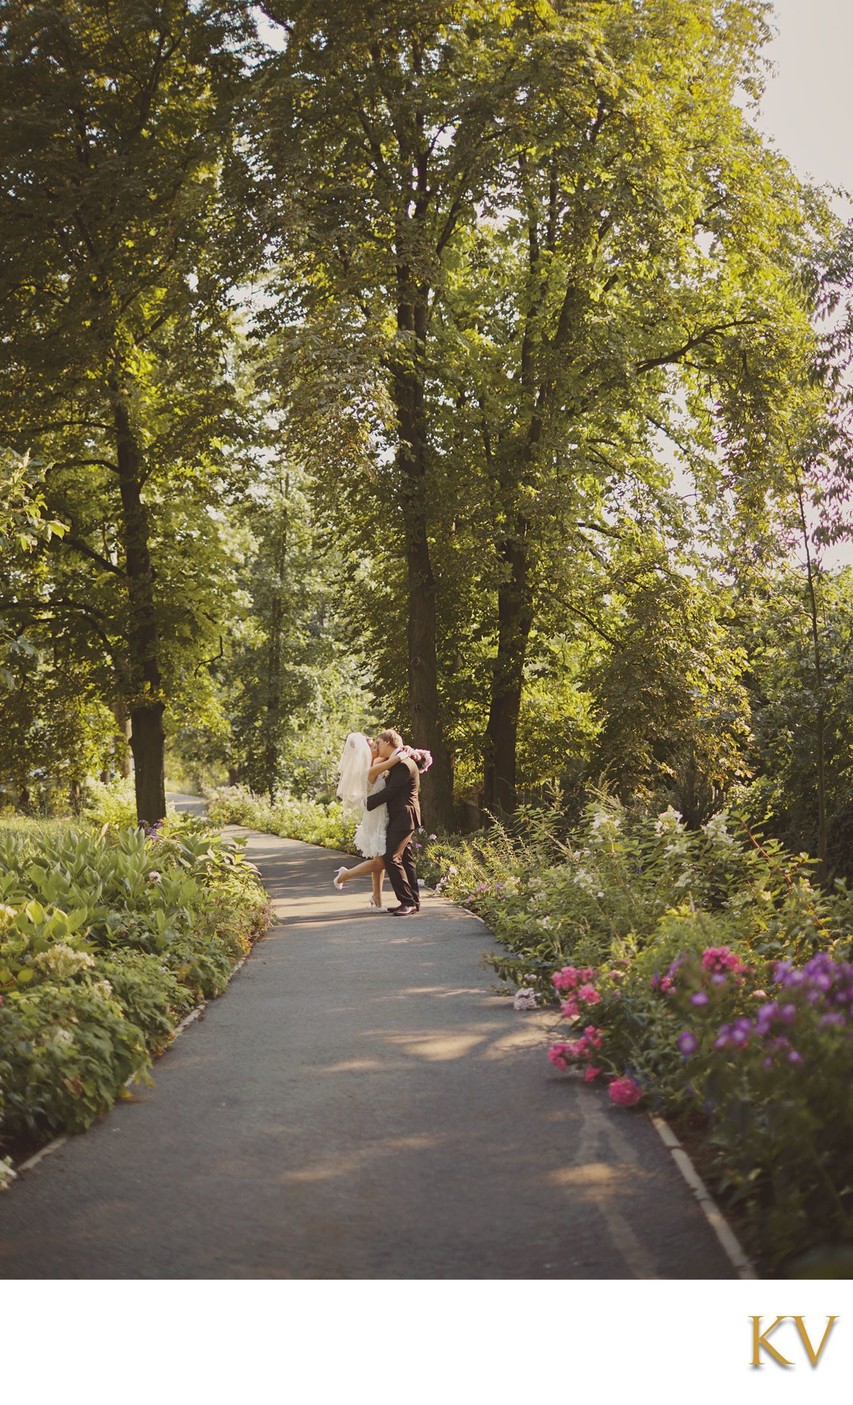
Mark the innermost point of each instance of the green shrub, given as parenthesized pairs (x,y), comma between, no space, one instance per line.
(65,1054)
(150,994)
(107,938)
(112,802)
(309,820)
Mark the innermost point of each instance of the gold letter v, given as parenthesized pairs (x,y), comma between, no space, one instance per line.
(814,1356)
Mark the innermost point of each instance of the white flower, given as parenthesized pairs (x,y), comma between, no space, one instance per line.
(154,876)
(63,961)
(525,999)
(668,820)
(717,830)
(545,922)
(676,847)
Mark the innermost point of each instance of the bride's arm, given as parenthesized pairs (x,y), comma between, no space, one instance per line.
(378,767)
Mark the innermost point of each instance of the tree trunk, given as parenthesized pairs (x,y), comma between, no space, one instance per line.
(272,753)
(515,618)
(425,714)
(147,738)
(122,751)
(820,716)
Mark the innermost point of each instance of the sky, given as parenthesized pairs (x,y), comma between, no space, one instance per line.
(807,110)
(808,104)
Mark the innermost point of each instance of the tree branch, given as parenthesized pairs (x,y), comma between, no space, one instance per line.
(669,358)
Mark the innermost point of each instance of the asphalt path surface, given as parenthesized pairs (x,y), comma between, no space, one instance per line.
(359,1104)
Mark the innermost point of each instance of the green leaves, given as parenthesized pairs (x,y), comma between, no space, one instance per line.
(91,992)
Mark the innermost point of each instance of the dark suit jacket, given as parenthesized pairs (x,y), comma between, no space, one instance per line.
(400,794)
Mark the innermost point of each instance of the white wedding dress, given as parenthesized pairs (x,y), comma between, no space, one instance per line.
(353,789)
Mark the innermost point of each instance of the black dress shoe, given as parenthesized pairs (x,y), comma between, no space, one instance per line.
(404,911)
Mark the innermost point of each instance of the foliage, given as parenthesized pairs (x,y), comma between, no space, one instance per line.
(111,802)
(699,972)
(107,938)
(796,715)
(118,338)
(314,822)
(533,319)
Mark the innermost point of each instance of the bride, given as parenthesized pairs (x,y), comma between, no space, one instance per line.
(362,773)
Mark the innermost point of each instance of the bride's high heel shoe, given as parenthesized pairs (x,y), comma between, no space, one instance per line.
(373,903)
(337,878)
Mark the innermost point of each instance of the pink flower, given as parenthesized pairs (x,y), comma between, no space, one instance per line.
(569,1008)
(589,995)
(720,959)
(587,974)
(593,1035)
(624,1092)
(557,1055)
(590,1073)
(566,979)
(667,984)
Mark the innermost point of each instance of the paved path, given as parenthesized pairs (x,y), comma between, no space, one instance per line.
(359,1104)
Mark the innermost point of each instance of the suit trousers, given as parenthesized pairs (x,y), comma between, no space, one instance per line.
(400,862)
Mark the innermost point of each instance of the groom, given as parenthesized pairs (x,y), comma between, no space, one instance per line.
(400,793)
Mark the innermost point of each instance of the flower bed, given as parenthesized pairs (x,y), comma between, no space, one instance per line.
(701,974)
(107,939)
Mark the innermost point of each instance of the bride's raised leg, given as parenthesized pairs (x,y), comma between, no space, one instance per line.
(358,870)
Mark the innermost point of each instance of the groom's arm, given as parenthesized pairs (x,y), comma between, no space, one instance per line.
(398,780)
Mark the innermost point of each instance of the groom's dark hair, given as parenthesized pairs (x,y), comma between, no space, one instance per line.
(393,738)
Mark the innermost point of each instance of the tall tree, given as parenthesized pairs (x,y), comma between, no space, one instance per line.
(119,258)
(379,129)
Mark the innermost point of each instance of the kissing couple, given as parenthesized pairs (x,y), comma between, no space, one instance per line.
(379,784)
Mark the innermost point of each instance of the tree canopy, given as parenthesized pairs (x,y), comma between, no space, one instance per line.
(472,364)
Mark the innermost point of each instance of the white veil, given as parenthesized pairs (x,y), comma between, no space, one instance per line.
(353,766)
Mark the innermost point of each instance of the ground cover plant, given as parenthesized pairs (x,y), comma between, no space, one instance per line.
(700,973)
(108,937)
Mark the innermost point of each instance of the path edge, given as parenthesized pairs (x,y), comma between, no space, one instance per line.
(728,1240)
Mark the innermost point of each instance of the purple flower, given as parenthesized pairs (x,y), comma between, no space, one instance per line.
(794,1057)
(736,1035)
(834,1017)
(765,1017)
(687,1042)
(700,998)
